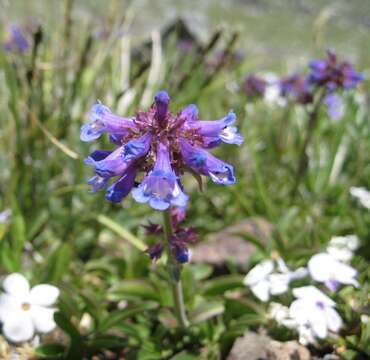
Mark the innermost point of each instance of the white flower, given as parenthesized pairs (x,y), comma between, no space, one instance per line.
(313,314)
(278,312)
(362,194)
(326,269)
(24,311)
(272,92)
(341,248)
(5,216)
(270,278)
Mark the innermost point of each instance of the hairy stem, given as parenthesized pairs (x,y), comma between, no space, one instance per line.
(174,270)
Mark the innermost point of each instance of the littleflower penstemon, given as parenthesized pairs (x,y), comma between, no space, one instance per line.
(271,278)
(25,311)
(162,146)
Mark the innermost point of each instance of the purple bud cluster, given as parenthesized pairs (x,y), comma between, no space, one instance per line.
(160,145)
(179,241)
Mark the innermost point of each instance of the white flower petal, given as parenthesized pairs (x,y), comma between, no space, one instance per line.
(319,267)
(8,305)
(318,323)
(278,312)
(344,274)
(279,283)
(261,290)
(340,254)
(313,294)
(259,272)
(333,320)
(282,266)
(16,284)
(44,295)
(43,318)
(19,327)
(306,335)
(300,310)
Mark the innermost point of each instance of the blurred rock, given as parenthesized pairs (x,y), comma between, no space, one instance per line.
(228,244)
(253,346)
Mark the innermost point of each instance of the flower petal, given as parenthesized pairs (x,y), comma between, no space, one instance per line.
(19,327)
(261,290)
(320,266)
(16,284)
(259,272)
(279,283)
(313,294)
(43,319)
(333,319)
(121,188)
(206,164)
(44,294)
(8,305)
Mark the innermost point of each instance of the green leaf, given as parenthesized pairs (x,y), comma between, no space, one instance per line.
(116,317)
(184,356)
(206,311)
(121,231)
(18,232)
(106,342)
(50,351)
(133,290)
(59,262)
(65,324)
(219,285)
(201,271)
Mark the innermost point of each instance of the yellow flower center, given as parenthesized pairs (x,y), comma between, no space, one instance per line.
(26,306)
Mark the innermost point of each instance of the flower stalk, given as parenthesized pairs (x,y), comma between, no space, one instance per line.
(174,269)
(303,158)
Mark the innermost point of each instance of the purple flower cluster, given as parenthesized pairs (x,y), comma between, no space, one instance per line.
(179,241)
(162,146)
(254,86)
(17,40)
(296,87)
(327,74)
(332,74)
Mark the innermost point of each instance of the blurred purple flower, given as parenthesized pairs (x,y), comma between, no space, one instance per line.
(297,88)
(254,86)
(334,105)
(161,145)
(17,40)
(332,74)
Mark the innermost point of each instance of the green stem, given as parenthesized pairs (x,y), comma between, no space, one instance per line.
(303,159)
(174,270)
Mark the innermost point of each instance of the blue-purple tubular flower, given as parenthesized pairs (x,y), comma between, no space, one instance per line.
(102,120)
(17,41)
(219,130)
(161,145)
(206,164)
(137,148)
(161,187)
(122,187)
